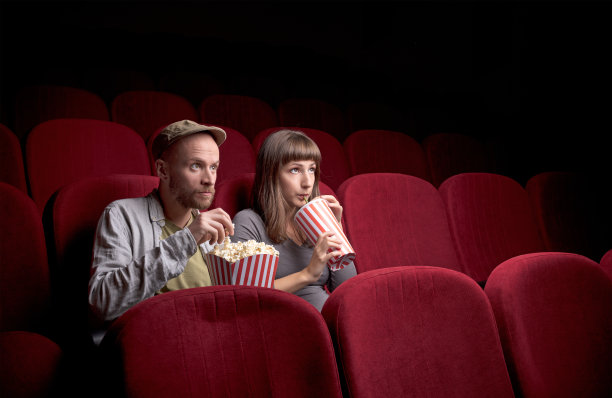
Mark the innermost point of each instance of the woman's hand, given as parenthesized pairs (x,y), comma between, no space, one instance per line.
(321,255)
(335,207)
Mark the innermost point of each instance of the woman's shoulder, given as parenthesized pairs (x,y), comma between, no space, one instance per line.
(248,217)
(248,225)
(247,214)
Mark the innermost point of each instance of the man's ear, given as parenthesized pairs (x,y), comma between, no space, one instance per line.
(162,169)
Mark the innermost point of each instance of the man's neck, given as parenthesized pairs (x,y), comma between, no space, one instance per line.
(173,211)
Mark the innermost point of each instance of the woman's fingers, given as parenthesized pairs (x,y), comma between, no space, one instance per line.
(334,206)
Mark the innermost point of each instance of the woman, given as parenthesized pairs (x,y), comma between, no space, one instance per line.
(286,176)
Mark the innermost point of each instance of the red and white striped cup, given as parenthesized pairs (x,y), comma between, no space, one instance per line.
(256,270)
(314,218)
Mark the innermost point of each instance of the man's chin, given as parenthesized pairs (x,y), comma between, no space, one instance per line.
(203,204)
(192,203)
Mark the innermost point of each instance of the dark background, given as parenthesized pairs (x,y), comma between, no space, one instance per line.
(531,79)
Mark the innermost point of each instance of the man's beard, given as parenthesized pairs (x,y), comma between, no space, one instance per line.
(187,198)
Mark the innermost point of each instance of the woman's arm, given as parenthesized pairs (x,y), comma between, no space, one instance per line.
(249,226)
(311,274)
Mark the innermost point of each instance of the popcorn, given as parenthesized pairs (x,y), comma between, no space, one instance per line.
(233,252)
(247,263)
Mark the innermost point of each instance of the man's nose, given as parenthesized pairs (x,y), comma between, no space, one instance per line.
(208,177)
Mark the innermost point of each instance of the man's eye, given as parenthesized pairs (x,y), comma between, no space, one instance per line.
(195,166)
(214,167)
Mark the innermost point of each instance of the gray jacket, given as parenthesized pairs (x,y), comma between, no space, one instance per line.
(130,260)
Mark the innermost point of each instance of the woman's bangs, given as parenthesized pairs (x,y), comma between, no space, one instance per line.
(299,149)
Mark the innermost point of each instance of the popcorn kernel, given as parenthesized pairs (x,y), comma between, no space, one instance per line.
(233,252)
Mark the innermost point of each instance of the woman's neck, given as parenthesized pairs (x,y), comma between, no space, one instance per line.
(293,233)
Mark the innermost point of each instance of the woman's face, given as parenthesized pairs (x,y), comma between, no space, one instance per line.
(297,180)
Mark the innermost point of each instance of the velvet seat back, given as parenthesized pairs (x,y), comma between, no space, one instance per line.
(385,151)
(30,366)
(145,111)
(449,154)
(40,103)
(12,170)
(76,209)
(249,115)
(227,341)
(312,113)
(396,219)
(490,219)
(25,289)
(416,332)
(62,151)
(572,212)
(554,316)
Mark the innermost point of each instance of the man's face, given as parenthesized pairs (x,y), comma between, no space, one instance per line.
(192,166)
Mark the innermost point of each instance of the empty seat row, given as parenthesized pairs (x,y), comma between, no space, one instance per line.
(92,147)
(145,110)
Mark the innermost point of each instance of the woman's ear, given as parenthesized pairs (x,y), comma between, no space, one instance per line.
(162,169)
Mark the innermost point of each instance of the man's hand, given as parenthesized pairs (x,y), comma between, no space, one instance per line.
(212,226)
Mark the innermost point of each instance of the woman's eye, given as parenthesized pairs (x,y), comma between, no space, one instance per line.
(294,171)
(312,170)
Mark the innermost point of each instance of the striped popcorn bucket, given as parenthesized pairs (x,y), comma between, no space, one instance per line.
(256,270)
(314,218)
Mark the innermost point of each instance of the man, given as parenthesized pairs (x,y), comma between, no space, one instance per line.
(154,244)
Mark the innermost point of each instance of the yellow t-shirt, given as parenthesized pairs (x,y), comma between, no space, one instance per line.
(196,271)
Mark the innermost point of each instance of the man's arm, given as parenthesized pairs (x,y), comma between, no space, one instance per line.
(127,268)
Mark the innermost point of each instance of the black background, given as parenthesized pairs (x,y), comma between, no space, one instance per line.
(532,79)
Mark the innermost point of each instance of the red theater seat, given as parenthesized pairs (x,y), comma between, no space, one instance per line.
(449,154)
(312,113)
(25,295)
(553,313)
(234,194)
(490,220)
(12,170)
(606,262)
(416,332)
(76,210)
(385,151)
(249,115)
(396,219)
(572,213)
(30,366)
(62,151)
(334,166)
(145,111)
(224,341)
(37,104)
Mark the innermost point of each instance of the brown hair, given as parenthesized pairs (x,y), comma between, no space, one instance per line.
(278,149)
